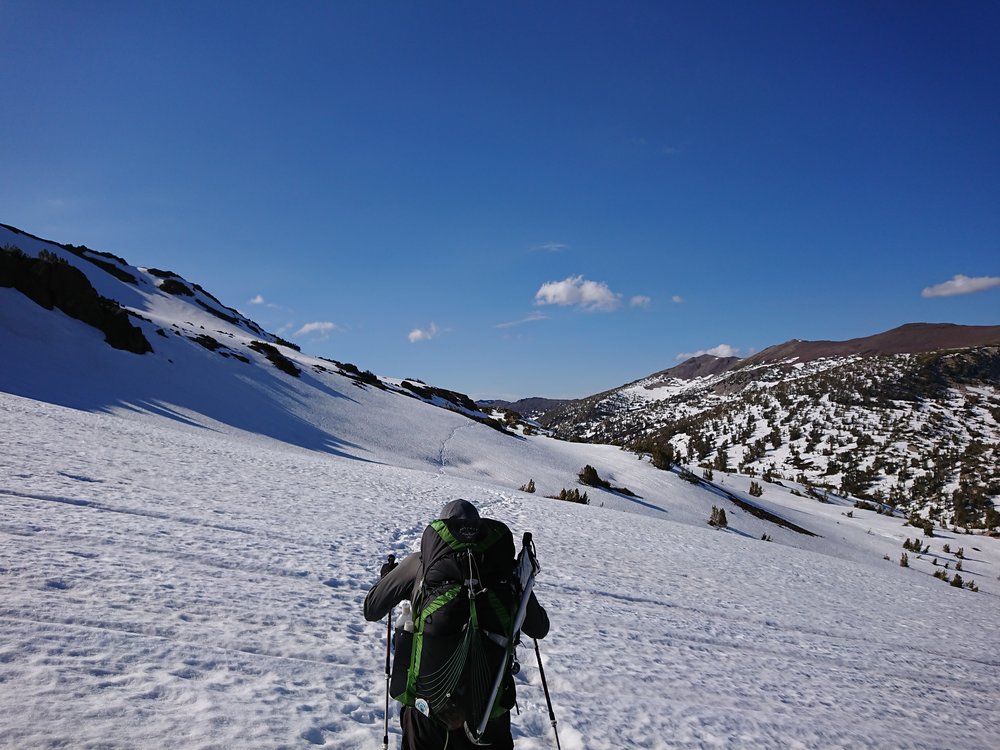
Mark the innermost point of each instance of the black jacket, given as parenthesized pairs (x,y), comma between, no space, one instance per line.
(403,582)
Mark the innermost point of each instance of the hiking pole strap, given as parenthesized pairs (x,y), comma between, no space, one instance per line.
(545,687)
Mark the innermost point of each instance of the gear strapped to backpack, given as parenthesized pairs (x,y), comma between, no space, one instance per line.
(465,608)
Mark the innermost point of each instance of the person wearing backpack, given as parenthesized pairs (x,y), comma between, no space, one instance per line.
(454,636)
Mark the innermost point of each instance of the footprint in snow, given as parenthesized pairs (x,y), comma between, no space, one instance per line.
(314,736)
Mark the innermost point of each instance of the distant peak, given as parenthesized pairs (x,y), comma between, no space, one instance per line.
(909,338)
(698,367)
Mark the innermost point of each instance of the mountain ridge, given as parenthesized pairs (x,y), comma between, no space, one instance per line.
(177,321)
(909,338)
(917,431)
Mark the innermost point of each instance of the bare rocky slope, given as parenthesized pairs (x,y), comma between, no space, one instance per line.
(909,418)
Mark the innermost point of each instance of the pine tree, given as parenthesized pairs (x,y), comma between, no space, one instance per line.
(663,456)
(589,476)
(574,496)
(904,561)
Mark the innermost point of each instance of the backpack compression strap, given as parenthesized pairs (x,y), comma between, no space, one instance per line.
(409,697)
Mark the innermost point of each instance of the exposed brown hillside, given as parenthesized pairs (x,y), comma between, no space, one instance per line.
(912,338)
(698,367)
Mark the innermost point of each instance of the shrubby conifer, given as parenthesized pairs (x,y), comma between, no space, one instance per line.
(590,477)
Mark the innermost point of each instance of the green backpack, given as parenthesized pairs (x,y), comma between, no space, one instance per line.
(461,631)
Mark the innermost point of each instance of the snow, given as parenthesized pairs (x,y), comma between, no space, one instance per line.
(186,541)
(167,584)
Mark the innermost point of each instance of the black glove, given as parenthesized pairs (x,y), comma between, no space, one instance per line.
(388,566)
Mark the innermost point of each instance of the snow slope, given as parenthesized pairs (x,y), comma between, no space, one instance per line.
(168,586)
(186,539)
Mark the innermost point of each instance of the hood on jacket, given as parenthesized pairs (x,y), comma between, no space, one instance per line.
(461,509)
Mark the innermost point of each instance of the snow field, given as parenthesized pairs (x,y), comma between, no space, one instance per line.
(163,585)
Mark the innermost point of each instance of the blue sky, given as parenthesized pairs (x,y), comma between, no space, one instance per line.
(517,199)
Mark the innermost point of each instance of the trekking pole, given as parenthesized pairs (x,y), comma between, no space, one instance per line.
(388,670)
(548,699)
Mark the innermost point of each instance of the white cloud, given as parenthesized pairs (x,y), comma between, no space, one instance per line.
(961,285)
(640,300)
(575,290)
(722,350)
(551,247)
(677,299)
(423,334)
(320,326)
(259,300)
(526,319)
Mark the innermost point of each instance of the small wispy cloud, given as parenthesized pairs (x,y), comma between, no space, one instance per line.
(423,334)
(260,301)
(960,284)
(677,299)
(578,292)
(551,247)
(641,300)
(722,350)
(526,319)
(655,147)
(322,327)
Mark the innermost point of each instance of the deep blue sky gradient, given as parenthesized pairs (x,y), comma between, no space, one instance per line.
(787,169)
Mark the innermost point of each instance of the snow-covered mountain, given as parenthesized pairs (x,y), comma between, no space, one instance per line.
(908,418)
(187,534)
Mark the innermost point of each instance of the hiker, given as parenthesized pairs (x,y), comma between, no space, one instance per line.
(410,581)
